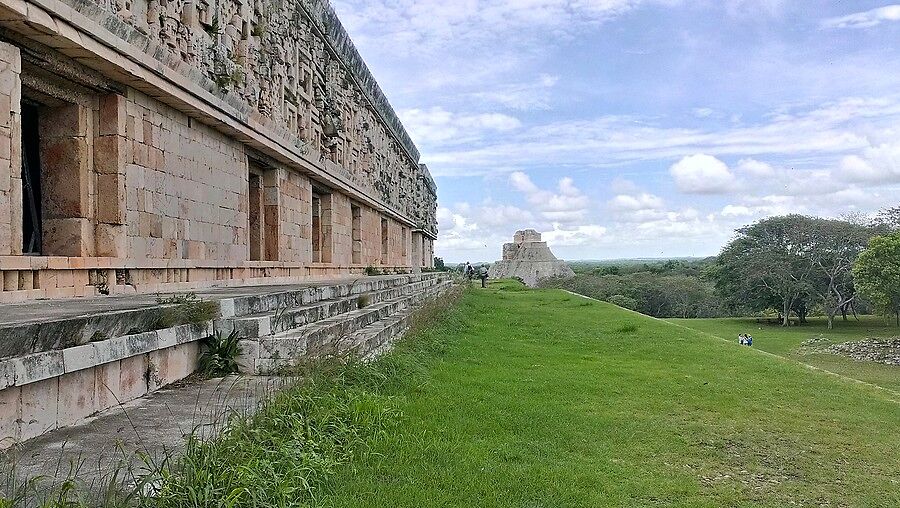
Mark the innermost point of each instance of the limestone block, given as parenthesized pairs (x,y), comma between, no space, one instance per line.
(77,397)
(39,408)
(7,373)
(10,413)
(158,371)
(73,237)
(66,121)
(109,154)
(106,383)
(183,361)
(133,377)
(111,198)
(79,358)
(110,240)
(64,177)
(112,115)
(39,366)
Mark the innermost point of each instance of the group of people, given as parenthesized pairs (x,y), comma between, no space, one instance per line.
(745,339)
(482,273)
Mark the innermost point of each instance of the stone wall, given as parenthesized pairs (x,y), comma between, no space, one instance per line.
(180,144)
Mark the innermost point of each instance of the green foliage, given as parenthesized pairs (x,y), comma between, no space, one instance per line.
(877,273)
(623,301)
(659,294)
(184,309)
(363,301)
(220,354)
(372,271)
(439,265)
(791,264)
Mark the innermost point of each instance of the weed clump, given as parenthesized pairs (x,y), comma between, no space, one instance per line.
(219,356)
(185,309)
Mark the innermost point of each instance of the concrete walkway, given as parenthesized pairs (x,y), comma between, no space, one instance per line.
(156,425)
(42,311)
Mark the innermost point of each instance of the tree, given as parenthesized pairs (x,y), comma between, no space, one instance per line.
(767,264)
(877,273)
(889,218)
(623,301)
(835,245)
(439,264)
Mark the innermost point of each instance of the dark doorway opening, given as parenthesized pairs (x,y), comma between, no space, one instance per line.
(31,180)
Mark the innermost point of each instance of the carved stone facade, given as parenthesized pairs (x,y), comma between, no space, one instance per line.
(157,144)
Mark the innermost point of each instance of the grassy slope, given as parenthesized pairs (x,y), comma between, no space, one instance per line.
(545,399)
(786,341)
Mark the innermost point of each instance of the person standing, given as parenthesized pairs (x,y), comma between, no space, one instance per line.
(483,275)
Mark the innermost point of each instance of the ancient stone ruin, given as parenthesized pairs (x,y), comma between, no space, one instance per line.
(152,145)
(529,259)
(213,147)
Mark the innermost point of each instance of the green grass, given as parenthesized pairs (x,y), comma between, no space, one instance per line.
(520,398)
(544,399)
(787,342)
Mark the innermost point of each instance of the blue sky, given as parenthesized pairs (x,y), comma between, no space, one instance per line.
(639,128)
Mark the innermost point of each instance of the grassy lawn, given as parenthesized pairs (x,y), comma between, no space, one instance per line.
(544,399)
(786,342)
(520,398)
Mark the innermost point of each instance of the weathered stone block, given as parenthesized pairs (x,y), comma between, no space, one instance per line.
(10,413)
(111,240)
(133,377)
(112,115)
(39,366)
(109,154)
(77,397)
(79,358)
(106,383)
(39,408)
(73,237)
(66,121)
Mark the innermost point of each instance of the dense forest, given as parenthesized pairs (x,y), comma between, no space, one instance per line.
(786,267)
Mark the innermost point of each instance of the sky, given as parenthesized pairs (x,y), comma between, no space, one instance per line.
(638,128)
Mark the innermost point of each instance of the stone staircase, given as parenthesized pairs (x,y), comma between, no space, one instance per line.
(65,362)
(361,317)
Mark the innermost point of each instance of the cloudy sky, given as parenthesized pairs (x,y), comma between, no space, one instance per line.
(639,128)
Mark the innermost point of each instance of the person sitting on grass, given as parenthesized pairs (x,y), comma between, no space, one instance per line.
(741,339)
(749,340)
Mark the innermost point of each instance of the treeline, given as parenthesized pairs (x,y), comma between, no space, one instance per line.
(789,267)
(797,265)
(673,288)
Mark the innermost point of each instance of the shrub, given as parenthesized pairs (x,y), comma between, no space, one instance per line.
(623,301)
(219,357)
(363,301)
(371,271)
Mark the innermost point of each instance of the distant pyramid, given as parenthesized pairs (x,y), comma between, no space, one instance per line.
(529,259)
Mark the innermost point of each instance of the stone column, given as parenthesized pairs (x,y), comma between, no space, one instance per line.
(65,181)
(109,164)
(272,182)
(417,253)
(10,150)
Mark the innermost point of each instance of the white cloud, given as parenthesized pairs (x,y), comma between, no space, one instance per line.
(755,168)
(702,174)
(865,19)
(635,203)
(566,205)
(437,125)
(737,211)
(580,235)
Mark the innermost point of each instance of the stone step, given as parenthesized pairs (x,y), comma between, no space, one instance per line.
(273,301)
(284,319)
(334,335)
